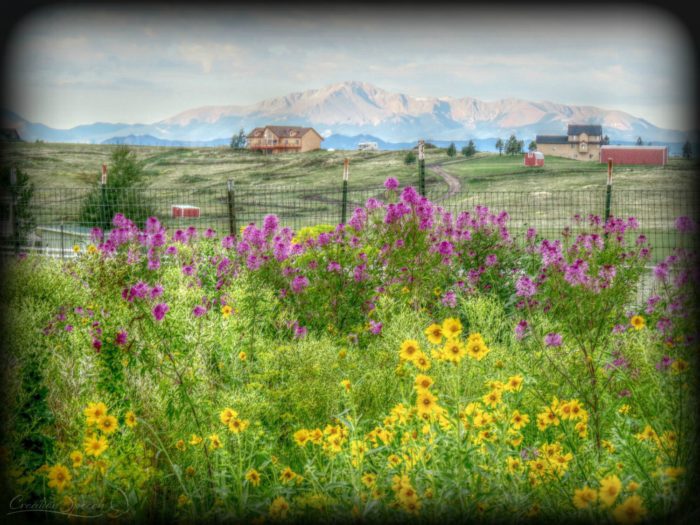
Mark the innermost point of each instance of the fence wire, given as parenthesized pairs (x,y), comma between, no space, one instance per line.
(56,220)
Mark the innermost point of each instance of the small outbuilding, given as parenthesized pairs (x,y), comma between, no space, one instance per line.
(534,158)
(652,155)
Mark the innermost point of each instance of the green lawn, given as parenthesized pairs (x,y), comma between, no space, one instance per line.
(491,172)
(79,165)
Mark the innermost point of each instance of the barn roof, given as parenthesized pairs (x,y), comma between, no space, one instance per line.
(551,139)
(611,147)
(577,129)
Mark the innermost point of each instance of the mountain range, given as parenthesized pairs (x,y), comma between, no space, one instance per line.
(358,109)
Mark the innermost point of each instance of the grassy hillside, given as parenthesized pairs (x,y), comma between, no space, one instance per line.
(78,165)
(491,172)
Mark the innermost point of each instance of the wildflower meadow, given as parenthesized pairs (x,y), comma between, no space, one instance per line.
(410,365)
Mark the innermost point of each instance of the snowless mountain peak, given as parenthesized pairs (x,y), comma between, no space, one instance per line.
(354,107)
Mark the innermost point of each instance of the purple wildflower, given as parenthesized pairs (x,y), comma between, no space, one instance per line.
(619,329)
(121,337)
(552,339)
(685,225)
(360,273)
(299,283)
(199,311)
(525,287)
(69,328)
(651,304)
(521,330)
(97,345)
(664,364)
(445,248)
(576,273)
(227,242)
(375,327)
(449,299)
(160,310)
(96,235)
(156,291)
(187,269)
(270,224)
(209,233)
(409,195)
(391,183)
(154,264)
(179,236)
(661,271)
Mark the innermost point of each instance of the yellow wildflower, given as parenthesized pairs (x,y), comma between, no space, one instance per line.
(253,477)
(610,487)
(451,328)
(630,511)
(59,477)
(434,334)
(585,497)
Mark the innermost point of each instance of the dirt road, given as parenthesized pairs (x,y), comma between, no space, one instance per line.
(453,184)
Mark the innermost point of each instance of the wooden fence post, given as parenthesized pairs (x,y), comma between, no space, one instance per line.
(421,168)
(105,221)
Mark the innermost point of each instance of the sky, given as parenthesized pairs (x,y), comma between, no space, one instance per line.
(69,65)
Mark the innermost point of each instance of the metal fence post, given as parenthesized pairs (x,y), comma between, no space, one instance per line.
(231,209)
(346,176)
(421,168)
(62,246)
(608,192)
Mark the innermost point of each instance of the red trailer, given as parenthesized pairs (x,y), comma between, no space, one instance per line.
(184,210)
(534,158)
(654,155)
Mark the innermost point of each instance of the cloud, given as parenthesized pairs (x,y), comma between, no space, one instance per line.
(630,58)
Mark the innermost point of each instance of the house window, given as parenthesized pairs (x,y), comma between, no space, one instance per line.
(583,147)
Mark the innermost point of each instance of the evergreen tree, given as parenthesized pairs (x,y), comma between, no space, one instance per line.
(20,194)
(639,142)
(410,158)
(469,150)
(513,146)
(499,146)
(451,150)
(123,193)
(238,141)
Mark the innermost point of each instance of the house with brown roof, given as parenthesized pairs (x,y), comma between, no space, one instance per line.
(582,142)
(280,139)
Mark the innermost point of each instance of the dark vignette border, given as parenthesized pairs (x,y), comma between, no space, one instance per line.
(13,14)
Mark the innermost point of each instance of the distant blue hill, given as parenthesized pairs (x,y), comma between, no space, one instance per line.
(150,140)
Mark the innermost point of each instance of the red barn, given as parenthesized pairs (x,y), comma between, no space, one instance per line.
(184,210)
(654,155)
(534,158)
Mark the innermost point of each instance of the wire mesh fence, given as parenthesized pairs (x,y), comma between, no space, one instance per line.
(55,220)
